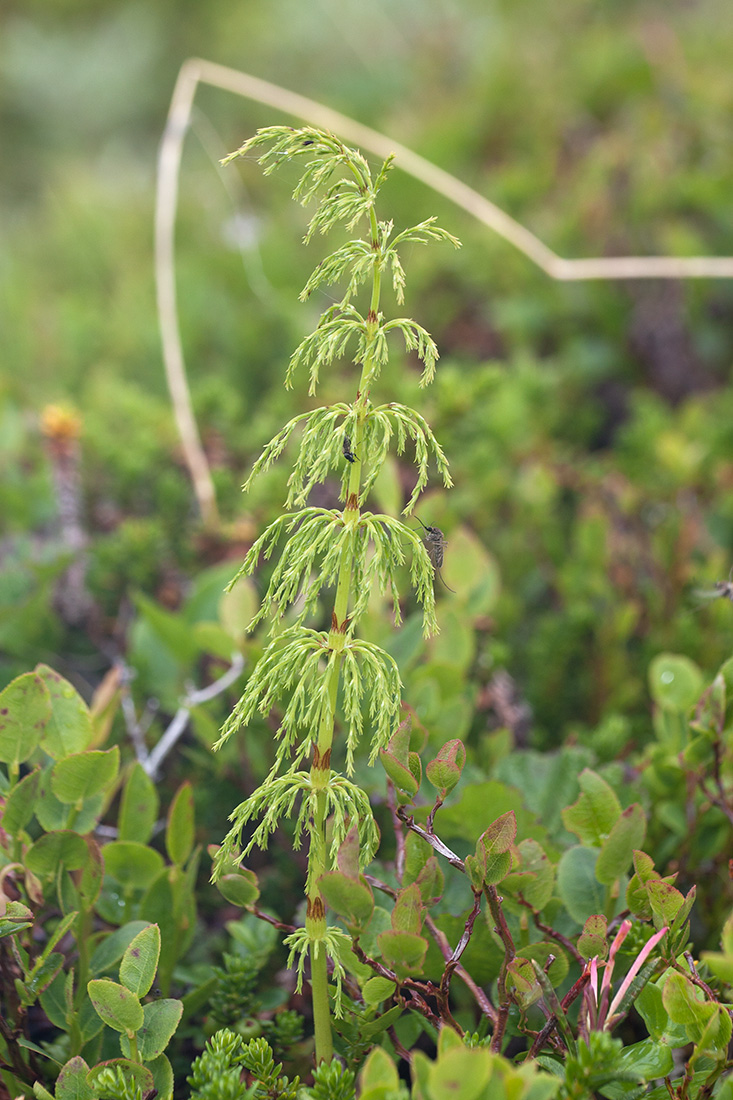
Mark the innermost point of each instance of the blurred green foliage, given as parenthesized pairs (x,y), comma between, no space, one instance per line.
(587,424)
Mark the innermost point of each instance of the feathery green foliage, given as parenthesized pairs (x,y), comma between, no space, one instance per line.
(303,670)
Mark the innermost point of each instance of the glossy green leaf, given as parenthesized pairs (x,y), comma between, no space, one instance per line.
(240,888)
(140,961)
(82,775)
(115,1005)
(650,1059)
(139,807)
(675,682)
(595,813)
(179,832)
(20,803)
(132,864)
(25,708)
(69,728)
(617,850)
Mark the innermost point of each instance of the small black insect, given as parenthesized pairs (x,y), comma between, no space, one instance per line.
(435,545)
(348,453)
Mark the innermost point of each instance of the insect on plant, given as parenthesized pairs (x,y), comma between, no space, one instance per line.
(720,590)
(435,545)
(348,453)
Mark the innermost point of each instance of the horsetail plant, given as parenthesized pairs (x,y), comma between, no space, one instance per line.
(351,548)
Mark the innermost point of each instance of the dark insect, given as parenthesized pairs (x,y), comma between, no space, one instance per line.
(435,546)
(308,141)
(721,589)
(348,453)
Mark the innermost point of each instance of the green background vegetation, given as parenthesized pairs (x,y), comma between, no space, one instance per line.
(588,425)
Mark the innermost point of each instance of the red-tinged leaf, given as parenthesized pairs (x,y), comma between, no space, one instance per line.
(69,728)
(445,770)
(25,708)
(593,939)
(71,1083)
(399,773)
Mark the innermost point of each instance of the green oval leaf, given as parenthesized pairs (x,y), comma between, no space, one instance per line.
(71,1083)
(69,728)
(461,1074)
(140,961)
(50,851)
(83,774)
(617,850)
(595,813)
(376,990)
(139,808)
(161,1018)
(25,708)
(20,803)
(581,893)
(675,682)
(350,898)
(179,833)
(239,888)
(112,947)
(403,952)
(115,1005)
(132,864)
(407,914)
